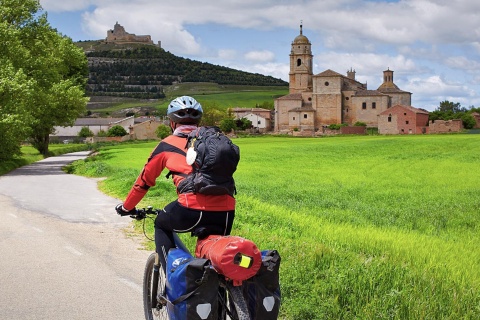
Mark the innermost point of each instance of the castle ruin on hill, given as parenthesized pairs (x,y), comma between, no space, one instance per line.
(119,35)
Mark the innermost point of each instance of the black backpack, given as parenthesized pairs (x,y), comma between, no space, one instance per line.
(214,158)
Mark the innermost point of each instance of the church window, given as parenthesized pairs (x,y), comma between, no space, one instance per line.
(326,83)
(299,62)
(293,118)
(347,98)
(364,105)
(389,118)
(406,122)
(374,105)
(309,99)
(305,116)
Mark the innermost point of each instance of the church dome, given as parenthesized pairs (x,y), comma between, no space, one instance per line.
(301,39)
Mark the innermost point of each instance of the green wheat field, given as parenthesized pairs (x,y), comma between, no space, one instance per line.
(368,227)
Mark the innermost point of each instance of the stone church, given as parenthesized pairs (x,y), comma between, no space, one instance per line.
(315,101)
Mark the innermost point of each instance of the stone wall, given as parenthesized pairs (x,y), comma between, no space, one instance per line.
(442,126)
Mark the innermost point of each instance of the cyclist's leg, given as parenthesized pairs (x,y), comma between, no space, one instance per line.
(215,223)
(172,218)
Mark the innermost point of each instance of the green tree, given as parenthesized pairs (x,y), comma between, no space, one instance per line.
(85,132)
(468,121)
(116,131)
(46,71)
(243,124)
(447,106)
(227,125)
(211,115)
(163,131)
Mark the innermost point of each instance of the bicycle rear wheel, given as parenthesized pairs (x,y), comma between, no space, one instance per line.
(154,286)
(236,297)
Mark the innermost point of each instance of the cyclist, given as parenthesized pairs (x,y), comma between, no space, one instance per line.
(191,211)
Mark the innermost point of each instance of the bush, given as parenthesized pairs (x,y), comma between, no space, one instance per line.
(102,133)
(243,124)
(85,132)
(468,121)
(360,124)
(163,131)
(335,126)
(116,131)
(227,125)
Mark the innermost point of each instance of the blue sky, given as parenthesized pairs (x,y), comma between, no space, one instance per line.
(433,46)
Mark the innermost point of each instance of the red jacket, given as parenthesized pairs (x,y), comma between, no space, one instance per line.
(170,154)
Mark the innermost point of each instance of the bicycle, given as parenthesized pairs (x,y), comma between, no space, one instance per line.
(232,304)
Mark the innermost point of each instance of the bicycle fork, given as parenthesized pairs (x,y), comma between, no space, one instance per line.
(156,274)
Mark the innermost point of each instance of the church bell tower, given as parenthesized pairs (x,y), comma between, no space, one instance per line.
(301,58)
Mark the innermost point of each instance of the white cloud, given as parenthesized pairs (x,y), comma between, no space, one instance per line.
(276,70)
(260,56)
(227,54)
(423,41)
(65,5)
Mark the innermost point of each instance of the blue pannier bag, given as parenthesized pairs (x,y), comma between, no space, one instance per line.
(192,287)
(262,291)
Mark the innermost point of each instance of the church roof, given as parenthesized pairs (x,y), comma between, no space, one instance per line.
(250,110)
(390,87)
(301,39)
(303,109)
(364,93)
(400,106)
(329,73)
(291,96)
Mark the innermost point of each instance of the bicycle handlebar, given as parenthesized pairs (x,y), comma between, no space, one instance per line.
(142,213)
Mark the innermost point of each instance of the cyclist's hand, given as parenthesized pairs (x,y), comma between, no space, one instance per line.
(124,212)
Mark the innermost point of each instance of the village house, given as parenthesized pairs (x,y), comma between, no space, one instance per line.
(260,117)
(94,124)
(141,128)
(316,101)
(402,119)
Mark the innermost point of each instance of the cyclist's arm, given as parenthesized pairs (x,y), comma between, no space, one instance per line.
(152,169)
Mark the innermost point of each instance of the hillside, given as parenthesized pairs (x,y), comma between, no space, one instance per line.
(143,71)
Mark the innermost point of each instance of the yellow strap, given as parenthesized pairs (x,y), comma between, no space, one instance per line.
(245,261)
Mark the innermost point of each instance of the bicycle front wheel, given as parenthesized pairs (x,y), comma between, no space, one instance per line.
(154,289)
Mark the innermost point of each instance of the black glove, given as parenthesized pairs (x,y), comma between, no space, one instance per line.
(124,212)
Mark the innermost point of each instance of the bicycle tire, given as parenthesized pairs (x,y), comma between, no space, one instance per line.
(152,308)
(241,308)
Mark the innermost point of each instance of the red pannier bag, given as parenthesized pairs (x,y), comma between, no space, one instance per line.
(236,258)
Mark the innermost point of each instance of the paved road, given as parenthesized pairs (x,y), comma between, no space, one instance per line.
(64,253)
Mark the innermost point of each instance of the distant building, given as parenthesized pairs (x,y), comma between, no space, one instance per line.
(94,124)
(401,119)
(446,126)
(119,35)
(316,101)
(260,118)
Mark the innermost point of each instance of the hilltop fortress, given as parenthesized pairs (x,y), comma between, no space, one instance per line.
(119,35)
(316,101)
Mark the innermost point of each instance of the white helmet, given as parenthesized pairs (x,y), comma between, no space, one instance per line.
(185,110)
